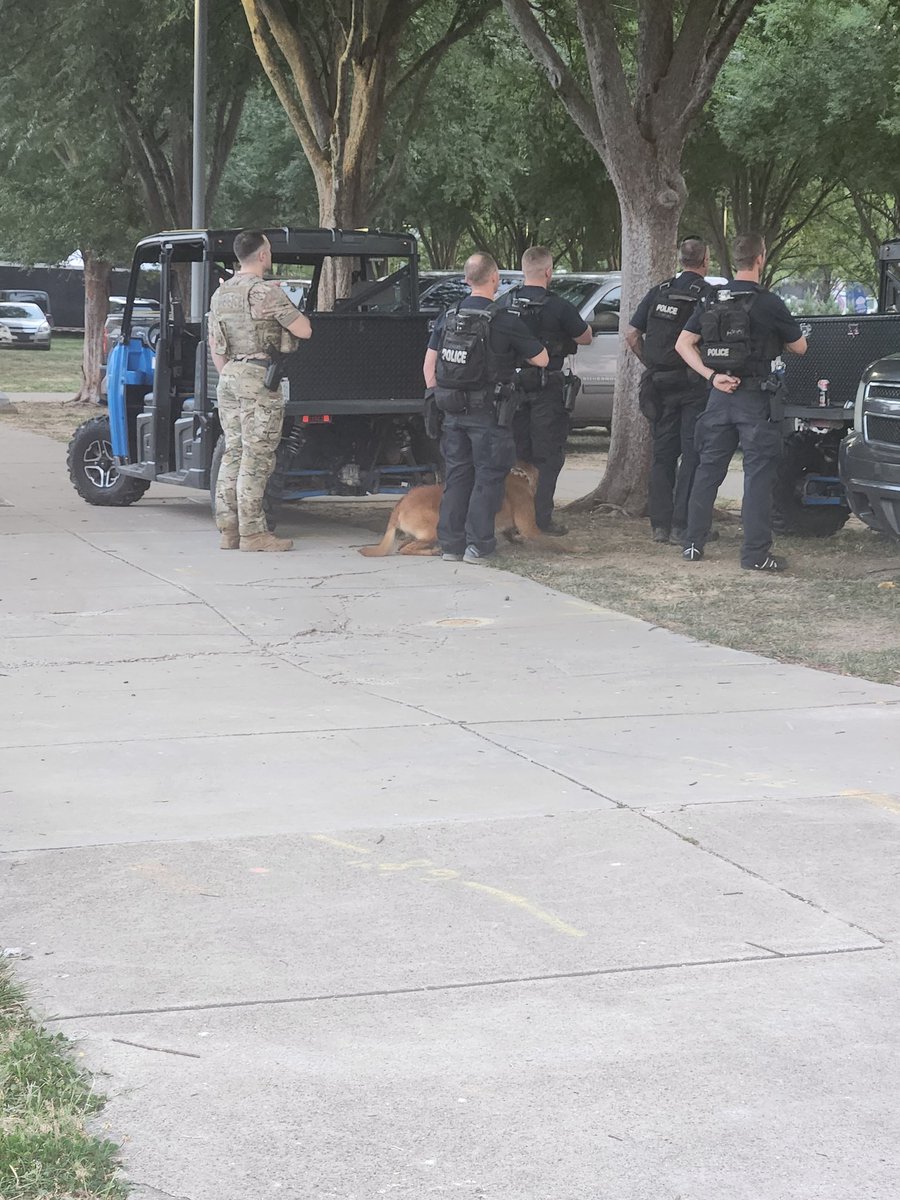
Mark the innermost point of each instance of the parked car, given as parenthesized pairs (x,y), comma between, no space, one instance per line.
(24,325)
(446,287)
(29,296)
(144,316)
(597,297)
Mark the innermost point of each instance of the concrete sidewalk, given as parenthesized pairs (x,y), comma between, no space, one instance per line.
(391,877)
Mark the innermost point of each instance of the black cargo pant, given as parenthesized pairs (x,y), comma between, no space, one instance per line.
(477,455)
(740,419)
(541,429)
(673,440)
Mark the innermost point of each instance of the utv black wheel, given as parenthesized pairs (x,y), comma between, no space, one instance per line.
(93,471)
(805,456)
(271,499)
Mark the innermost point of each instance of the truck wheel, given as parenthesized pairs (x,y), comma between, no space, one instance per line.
(273,486)
(92,468)
(804,456)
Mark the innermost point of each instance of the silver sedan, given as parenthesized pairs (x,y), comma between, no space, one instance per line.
(24,325)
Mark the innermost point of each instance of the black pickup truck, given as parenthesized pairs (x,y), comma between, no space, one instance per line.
(838,457)
(353,416)
(870,454)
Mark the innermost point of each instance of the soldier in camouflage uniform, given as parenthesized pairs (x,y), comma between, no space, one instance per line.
(248,315)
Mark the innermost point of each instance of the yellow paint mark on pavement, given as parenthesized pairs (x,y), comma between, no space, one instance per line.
(320,837)
(527,906)
(888,803)
(425,870)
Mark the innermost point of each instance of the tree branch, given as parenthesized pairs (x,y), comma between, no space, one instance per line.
(456,31)
(609,86)
(654,55)
(301,67)
(558,74)
(263,42)
(412,122)
(227,128)
(717,50)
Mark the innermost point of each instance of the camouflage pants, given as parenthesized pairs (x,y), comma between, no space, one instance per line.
(251,418)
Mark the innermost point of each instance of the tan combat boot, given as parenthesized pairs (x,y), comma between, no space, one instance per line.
(230,539)
(266,541)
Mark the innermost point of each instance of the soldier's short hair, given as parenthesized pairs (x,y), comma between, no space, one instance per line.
(247,242)
(479,268)
(536,259)
(746,250)
(692,252)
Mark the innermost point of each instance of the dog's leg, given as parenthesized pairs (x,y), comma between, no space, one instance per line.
(419,547)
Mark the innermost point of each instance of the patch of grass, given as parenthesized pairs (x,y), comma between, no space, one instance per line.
(54,419)
(55,370)
(828,611)
(46,1152)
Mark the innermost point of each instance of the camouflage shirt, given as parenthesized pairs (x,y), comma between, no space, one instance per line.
(247,315)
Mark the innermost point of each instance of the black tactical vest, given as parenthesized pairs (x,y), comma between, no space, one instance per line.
(557,343)
(727,341)
(466,361)
(669,313)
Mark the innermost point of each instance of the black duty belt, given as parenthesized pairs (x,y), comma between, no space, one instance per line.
(752,383)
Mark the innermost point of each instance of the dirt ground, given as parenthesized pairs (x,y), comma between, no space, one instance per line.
(837,608)
(55,420)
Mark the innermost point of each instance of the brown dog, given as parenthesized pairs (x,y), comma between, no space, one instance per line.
(416,517)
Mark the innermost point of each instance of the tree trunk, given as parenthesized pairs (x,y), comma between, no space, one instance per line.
(97,273)
(650,215)
(649,235)
(340,207)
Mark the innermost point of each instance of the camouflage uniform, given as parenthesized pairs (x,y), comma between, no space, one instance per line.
(247,315)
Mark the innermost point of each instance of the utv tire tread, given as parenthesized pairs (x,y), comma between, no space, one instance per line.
(126,490)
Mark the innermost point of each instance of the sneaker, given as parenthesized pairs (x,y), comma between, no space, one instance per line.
(446,556)
(769,563)
(692,553)
(554,529)
(266,542)
(474,555)
(658,534)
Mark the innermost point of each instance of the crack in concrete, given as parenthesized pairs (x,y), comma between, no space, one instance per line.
(785,891)
(200,737)
(28,664)
(430,988)
(164,1049)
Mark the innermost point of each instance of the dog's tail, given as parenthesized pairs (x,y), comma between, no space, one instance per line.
(388,544)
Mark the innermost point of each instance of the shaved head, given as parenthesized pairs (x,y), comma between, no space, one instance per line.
(536,260)
(479,268)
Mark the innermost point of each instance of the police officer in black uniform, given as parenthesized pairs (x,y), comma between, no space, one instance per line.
(732,341)
(541,424)
(471,360)
(672,396)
